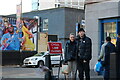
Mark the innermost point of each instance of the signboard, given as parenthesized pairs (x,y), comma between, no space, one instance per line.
(83,22)
(42,42)
(55,47)
(77,28)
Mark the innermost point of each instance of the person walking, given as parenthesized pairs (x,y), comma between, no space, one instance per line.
(118,44)
(102,52)
(70,57)
(118,55)
(101,57)
(109,48)
(84,53)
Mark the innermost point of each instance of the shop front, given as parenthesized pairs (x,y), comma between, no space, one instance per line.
(109,27)
(102,19)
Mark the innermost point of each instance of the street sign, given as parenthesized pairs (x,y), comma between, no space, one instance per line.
(55,47)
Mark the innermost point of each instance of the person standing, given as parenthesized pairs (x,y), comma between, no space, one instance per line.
(118,44)
(118,54)
(84,52)
(102,52)
(70,56)
(109,48)
(101,57)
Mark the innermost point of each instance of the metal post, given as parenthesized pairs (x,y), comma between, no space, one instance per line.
(38,25)
(118,65)
(48,64)
(61,57)
(113,73)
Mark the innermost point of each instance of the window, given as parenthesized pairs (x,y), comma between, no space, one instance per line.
(109,27)
(57,5)
(34,1)
(110,30)
(45,24)
(35,4)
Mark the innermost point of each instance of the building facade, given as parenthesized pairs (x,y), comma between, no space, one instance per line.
(102,19)
(79,4)
(45,4)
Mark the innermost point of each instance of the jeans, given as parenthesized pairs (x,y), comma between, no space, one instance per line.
(107,72)
(83,67)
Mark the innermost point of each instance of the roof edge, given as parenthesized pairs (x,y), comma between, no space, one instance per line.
(93,2)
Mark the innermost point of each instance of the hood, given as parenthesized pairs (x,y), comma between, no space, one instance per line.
(34,57)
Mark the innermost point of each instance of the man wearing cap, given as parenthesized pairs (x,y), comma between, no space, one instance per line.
(84,52)
(10,40)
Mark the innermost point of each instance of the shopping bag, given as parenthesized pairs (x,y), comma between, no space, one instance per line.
(64,68)
(99,68)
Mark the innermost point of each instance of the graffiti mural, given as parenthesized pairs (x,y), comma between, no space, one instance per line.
(16,38)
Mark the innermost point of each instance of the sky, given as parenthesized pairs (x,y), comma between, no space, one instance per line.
(9,6)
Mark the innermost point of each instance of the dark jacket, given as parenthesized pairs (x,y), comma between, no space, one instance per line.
(84,48)
(118,46)
(109,48)
(70,51)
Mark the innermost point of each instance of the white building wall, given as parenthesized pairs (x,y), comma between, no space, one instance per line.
(93,12)
(46,4)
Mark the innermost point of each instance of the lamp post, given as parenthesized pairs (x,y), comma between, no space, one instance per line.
(48,64)
(38,25)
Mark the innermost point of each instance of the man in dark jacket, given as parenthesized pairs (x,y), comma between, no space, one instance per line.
(118,55)
(84,52)
(70,56)
(109,48)
(118,44)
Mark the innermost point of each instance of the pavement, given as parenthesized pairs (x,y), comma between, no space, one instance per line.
(18,73)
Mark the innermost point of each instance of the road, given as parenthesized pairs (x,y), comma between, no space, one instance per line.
(17,73)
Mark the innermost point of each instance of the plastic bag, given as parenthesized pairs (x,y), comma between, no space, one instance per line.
(64,69)
(99,68)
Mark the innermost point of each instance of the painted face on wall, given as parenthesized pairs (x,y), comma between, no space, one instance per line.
(11,29)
